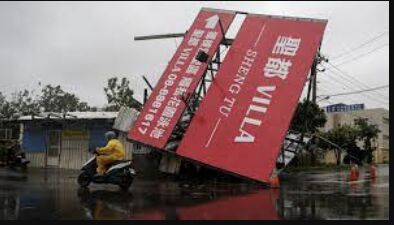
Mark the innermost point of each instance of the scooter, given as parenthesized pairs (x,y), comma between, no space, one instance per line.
(19,160)
(14,156)
(120,173)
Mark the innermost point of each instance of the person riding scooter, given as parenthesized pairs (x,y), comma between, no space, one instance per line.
(15,156)
(113,151)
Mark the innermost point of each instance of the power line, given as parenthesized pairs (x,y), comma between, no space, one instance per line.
(348,95)
(332,83)
(322,88)
(336,83)
(352,88)
(355,83)
(335,79)
(361,45)
(359,91)
(357,57)
(352,80)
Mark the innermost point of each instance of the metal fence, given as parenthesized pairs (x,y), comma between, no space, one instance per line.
(5,134)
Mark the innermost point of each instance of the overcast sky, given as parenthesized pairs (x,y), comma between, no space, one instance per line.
(79,45)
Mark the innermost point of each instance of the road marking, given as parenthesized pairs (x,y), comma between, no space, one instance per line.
(213,132)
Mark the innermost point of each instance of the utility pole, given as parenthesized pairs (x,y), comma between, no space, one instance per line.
(313,83)
(314,79)
(312,89)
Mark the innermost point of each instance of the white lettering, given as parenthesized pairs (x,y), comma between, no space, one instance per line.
(258,106)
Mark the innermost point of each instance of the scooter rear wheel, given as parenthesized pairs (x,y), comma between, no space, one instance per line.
(125,186)
(83,180)
(126,183)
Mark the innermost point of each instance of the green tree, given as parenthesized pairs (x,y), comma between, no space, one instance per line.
(119,93)
(55,99)
(308,117)
(2,99)
(345,136)
(367,133)
(21,103)
(51,99)
(7,111)
(25,102)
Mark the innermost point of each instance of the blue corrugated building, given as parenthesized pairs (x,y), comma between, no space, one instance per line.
(63,140)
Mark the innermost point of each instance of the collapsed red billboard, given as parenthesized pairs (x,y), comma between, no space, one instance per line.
(164,107)
(242,121)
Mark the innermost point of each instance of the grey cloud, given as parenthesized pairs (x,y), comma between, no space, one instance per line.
(81,44)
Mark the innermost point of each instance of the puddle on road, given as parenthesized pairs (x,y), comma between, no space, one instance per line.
(47,194)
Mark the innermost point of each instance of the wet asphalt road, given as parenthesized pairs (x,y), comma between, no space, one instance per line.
(54,194)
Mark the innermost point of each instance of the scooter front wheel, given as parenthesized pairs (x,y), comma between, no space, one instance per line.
(84,180)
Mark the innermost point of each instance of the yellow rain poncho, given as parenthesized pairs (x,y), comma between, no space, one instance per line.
(113,151)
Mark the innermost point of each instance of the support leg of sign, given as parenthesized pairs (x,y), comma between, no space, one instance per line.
(202,83)
(218,57)
(222,29)
(217,61)
(147,83)
(145,95)
(186,100)
(210,65)
(211,73)
(283,156)
(204,88)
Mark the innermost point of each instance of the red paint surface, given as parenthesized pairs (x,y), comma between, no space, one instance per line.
(144,128)
(256,206)
(147,215)
(254,160)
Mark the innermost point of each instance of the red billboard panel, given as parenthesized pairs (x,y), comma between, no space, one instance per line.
(242,121)
(164,107)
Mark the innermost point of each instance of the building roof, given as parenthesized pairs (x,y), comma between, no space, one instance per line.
(71,115)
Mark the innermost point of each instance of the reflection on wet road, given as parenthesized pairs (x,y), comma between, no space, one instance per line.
(54,194)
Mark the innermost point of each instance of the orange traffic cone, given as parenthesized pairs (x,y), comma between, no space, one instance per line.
(372,171)
(274,180)
(354,173)
(357,171)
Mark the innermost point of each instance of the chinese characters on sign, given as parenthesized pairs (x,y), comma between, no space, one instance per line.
(203,43)
(279,67)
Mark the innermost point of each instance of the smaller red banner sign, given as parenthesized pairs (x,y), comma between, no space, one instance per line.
(164,107)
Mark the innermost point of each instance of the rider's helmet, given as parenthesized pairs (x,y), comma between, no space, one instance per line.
(109,135)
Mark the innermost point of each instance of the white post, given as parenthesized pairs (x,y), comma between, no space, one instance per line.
(21,128)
